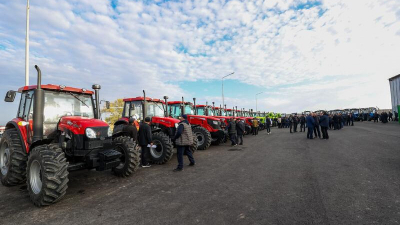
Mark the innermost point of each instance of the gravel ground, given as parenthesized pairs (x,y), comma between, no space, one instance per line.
(282,178)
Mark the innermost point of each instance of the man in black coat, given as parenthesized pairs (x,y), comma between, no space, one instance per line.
(290,123)
(390,116)
(145,139)
(324,123)
(295,123)
(302,123)
(268,123)
(131,129)
(232,131)
(316,126)
(335,122)
(240,131)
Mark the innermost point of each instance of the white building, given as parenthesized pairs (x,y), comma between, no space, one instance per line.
(394,83)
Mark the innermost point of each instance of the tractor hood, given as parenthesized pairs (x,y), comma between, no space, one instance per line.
(166,121)
(78,124)
(202,117)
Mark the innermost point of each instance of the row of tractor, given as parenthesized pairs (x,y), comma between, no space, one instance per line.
(58,130)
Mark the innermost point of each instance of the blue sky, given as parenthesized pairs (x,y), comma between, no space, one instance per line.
(304,55)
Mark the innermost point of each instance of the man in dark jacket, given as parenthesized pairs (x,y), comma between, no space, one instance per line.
(131,129)
(268,123)
(310,126)
(145,140)
(290,123)
(183,140)
(295,123)
(335,122)
(232,131)
(302,123)
(240,131)
(324,123)
(316,126)
(390,116)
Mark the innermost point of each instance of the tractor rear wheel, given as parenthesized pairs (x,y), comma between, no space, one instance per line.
(163,152)
(12,159)
(47,174)
(130,156)
(194,146)
(203,138)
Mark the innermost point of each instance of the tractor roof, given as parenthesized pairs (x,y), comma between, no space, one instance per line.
(216,108)
(179,102)
(202,105)
(229,109)
(54,87)
(141,98)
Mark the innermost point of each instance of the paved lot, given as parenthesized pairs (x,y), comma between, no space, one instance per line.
(282,178)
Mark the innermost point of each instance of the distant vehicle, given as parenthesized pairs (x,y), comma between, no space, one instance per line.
(356,113)
(307,113)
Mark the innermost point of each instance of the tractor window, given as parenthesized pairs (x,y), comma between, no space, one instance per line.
(28,106)
(200,111)
(210,112)
(21,106)
(59,104)
(155,109)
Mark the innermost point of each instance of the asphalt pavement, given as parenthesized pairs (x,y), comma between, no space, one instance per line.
(281,178)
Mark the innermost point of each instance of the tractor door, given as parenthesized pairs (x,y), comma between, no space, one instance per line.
(25,112)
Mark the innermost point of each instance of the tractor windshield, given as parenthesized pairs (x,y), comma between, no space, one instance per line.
(153,109)
(229,113)
(59,104)
(201,111)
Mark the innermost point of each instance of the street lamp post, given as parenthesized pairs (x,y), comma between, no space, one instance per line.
(256,99)
(223,102)
(27,46)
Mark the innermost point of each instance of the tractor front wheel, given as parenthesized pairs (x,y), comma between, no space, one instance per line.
(203,138)
(12,159)
(163,151)
(130,156)
(47,174)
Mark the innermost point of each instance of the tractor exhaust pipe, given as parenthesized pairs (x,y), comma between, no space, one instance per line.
(96,88)
(195,108)
(220,109)
(206,109)
(213,109)
(166,106)
(38,109)
(236,111)
(144,105)
(183,107)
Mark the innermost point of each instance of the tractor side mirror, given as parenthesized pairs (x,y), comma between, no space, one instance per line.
(10,96)
(107,105)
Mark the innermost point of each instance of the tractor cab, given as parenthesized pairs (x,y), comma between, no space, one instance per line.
(204,110)
(57,130)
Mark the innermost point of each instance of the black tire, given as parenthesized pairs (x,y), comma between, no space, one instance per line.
(203,138)
(130,156)
(13,159)
(218,141)
(193,148)
(47,174)
(163,153)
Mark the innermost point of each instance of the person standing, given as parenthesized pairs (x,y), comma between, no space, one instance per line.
(232,131)
(290,120)
(376,116)
(131,129)
(255,126)
(310,126)
(145,140)
(183,140)
(324,123)
(390,116)
(240,131)
(302,123)
(268,125)
(330,122)
(295,123)
(336,122)
(351,119)
(396,116)
(316,125)
(279,122)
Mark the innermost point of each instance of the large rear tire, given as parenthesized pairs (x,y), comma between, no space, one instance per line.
(130,158)
(47,174)
(163,152)
(13,159)
(203,138)
(194,146)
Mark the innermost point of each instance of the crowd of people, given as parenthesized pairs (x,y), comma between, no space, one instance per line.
(385,117)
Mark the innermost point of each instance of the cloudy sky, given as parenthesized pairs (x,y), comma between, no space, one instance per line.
(304,55)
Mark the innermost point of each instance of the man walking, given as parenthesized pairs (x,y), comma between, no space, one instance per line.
(232,131)
(240,131)
(324,123)
(310,126)
(145,140)
(183,140)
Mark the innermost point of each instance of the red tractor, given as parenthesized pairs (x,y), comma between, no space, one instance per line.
(207,129)
(58,130)
(207,110)
(163,127)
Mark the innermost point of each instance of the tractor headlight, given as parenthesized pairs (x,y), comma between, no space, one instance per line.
(109,132)
(176,125)
(90,133)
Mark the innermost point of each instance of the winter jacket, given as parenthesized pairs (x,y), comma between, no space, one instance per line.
(145,136)
(324,121)
(184,134)
(255,123)
(240,128)
(131,131)
(310,121)
(232,127)
(316,120)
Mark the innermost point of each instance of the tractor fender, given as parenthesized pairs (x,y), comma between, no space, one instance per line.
(13,124)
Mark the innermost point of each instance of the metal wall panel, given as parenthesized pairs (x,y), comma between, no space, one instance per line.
(395,92)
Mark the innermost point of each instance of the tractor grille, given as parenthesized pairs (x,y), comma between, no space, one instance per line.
(214,126)
(101,132)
